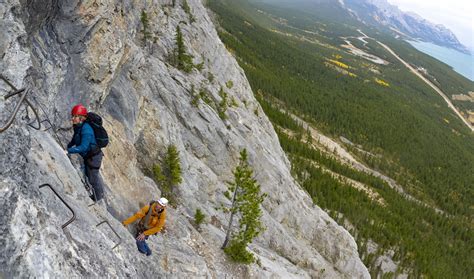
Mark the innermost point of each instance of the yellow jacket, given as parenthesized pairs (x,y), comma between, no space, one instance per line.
(156,222)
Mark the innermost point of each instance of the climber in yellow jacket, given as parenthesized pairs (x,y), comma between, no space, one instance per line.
(152,219)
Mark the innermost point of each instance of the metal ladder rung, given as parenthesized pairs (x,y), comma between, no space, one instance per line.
(65,203)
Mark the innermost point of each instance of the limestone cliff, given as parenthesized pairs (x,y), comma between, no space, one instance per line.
(94,52)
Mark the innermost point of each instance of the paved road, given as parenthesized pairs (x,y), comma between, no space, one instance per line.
(413,70)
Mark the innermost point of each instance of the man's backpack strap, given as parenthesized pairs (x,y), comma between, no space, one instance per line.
(101,136)
(146,220)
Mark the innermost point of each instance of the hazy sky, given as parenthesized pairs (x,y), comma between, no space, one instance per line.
(457,15)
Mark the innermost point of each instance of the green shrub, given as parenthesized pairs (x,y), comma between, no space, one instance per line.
(223,104)
(204,95)
(196,97)
(210,77)
(233,102)
(200,66)
(237,252)
(145,26)
(199,217)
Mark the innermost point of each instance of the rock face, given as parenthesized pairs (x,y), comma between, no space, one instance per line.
(94,52)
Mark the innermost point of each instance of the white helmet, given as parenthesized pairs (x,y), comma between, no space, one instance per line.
(163,201)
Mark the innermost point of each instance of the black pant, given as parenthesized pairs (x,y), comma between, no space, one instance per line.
(92,166)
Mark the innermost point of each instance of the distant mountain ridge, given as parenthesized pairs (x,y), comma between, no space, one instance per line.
(407,24)
(382,14)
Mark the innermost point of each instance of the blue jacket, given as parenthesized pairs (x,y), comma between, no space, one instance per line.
(83,140)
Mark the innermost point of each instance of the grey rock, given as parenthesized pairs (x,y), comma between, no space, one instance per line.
(93,52)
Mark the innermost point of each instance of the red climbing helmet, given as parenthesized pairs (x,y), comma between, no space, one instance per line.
(79,110)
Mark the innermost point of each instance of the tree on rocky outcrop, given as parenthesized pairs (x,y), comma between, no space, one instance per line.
(145,26)
(181,59)
(246,203)
(169,174)
(223,104)
(172,166)
(187,9)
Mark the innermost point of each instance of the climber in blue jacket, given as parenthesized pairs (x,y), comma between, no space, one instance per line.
(84,143)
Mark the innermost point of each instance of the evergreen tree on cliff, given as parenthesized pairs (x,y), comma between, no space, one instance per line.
(246,203)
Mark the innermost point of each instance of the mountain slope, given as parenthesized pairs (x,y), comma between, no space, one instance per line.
(348,87)
(66,52)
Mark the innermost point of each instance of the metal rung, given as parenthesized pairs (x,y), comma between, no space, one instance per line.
(29,104)
(16,92)
(65,203)
(15,111)
(120,239)
(8,82)
(36,116)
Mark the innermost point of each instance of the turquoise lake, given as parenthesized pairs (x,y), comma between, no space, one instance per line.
(460,62)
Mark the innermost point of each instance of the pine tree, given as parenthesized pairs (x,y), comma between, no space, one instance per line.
(158,174)
(246,203)
(223,104)
(183,60)
(172,167)
(168,175)
(187,9)
(146,25)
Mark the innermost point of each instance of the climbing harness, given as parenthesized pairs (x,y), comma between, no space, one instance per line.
(143,224)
